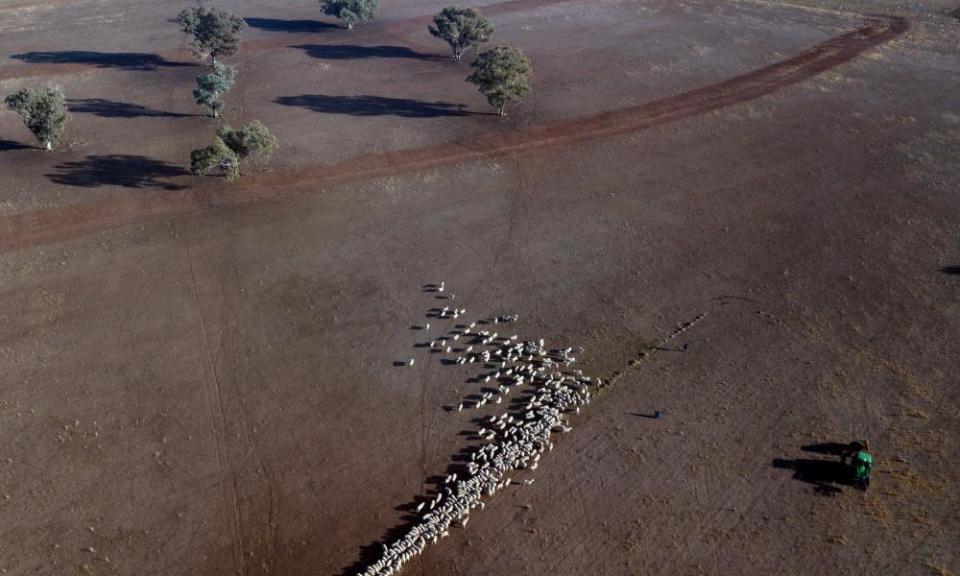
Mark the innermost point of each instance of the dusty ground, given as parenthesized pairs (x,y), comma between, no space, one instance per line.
(198,377)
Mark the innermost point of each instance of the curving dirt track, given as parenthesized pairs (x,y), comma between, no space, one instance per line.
(58,223)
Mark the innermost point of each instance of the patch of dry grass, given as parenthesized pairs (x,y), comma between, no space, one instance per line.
(938,570)
(877,509)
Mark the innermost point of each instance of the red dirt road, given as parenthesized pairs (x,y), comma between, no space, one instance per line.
(59,223)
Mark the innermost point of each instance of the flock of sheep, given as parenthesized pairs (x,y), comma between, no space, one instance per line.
(513,441)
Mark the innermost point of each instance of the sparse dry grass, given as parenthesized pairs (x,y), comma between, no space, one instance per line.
(923,518)
(877,509)
(911,482)
(938,569)
(839,539)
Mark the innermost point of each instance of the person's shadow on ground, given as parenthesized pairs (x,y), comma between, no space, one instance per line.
(826,475)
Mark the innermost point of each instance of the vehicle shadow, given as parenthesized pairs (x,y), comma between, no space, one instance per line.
(354,52)
(122,60)
(815,471)
(831,448)
(111,109)
(123,170)
(373,106)
(304,26)
(11,145)
(826,475)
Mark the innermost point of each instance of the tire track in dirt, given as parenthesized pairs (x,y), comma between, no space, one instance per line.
(249,485)
(375,31)
(218,426)
(55,224)
(520,214)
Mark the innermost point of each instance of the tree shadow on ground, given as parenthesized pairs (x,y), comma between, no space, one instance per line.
(122,60)
(123,170)
(111,109)
(10,145)
(304,26)
(373,106)
(354,52)
(951,270)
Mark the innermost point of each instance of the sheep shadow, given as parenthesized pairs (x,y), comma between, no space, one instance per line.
(124,170)
(296,26)
(111,109)
(372,552)
(355,52)
(460,461)
(410,516)
(951,270)
(122,60)
(373,106)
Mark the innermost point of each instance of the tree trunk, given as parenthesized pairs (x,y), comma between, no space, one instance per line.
(502,110)
(49,145)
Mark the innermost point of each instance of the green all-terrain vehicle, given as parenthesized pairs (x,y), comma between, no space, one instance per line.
(861,463)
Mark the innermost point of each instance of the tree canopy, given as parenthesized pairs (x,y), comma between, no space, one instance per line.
(502,75)
(215,32)
(211,87)
(351,11)
(216,157)
(461,28)
(230,146)
(254,138)
(43,110)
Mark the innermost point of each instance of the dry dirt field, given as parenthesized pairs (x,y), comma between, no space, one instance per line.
(198,377)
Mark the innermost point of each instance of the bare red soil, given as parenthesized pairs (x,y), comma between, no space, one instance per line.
(203,377)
